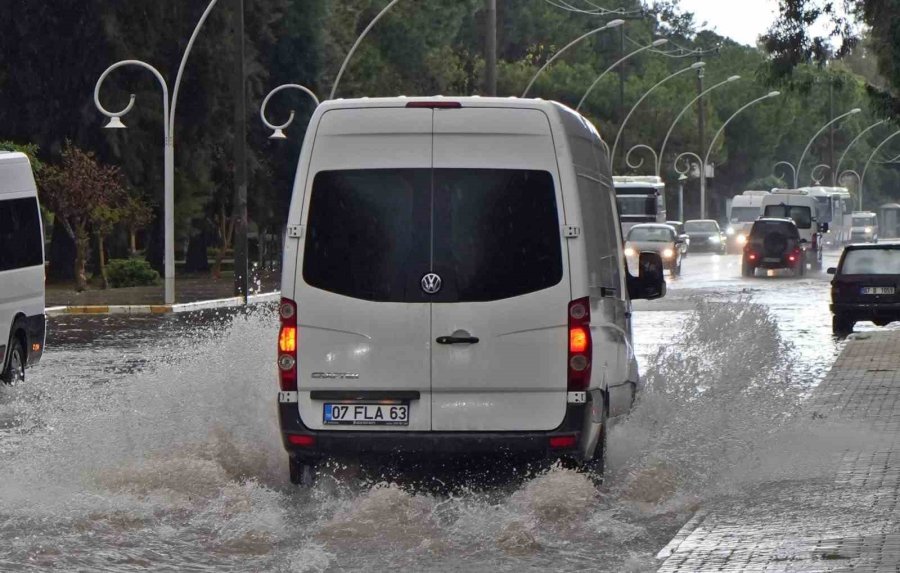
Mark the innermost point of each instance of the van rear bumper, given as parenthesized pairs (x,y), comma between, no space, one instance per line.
(329,444)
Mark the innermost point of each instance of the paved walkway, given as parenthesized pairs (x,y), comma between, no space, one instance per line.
(845,518)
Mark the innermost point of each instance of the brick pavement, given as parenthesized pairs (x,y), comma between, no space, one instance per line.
(841,520)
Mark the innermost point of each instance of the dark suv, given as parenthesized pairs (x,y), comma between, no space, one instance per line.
(865,286)
(774,243)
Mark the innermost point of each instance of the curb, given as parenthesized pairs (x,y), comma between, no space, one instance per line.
(164,308)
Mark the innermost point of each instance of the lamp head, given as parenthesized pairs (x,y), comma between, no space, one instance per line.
(115,122)
(734,78)
(659,42)
(614,23)
(855,110)
(278,134)
(773,94)
(698,65)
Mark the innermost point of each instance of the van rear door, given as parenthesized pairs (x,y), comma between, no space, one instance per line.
(364,323)
(499,321)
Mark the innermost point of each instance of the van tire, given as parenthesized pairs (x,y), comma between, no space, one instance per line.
(15,363)
(747,269)
(302,474)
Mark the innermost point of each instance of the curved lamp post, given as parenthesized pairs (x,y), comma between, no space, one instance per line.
(694,66)
(784,164)
(852,143)
(356,44)
(278,130)
(608,26)
(641,146)
(716,137)
(816,169)
(856,174)
(818,133)
(862,179)
(115,122)
(654,44)
(662,149)
(683,175)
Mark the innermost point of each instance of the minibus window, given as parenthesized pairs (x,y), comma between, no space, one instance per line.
(20,234)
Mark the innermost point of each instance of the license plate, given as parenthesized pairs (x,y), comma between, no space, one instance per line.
(357,414)
(772,260)
(878,290)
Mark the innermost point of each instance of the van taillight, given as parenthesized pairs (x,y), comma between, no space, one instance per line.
(287,345)
(434,104)
(580,346)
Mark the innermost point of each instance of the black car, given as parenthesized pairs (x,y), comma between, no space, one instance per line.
(774,243)
(865,286)
(705,235)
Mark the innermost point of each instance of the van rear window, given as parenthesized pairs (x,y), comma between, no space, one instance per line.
(489,234)
(20,234)
(802,216)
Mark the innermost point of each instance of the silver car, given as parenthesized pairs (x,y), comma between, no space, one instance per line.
(657,238)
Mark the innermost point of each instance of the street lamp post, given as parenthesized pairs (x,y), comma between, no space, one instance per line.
(683,176)
(662,149)
(852,143)
(712,144)
(784,164)
(862,179)
(694,66)
(337,80)
(115,122)
(278,130)
(818,133)
(638,147)
(654,44)
(820,167)
(609,25)
(856,174)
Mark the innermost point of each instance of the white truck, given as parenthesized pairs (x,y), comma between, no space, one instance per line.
(742,212)
(640,199)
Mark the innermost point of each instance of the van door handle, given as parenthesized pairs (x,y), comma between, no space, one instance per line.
(457,340)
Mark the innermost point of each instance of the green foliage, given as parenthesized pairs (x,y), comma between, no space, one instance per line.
(123,273)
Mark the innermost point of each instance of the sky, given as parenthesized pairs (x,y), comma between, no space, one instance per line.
(740,20)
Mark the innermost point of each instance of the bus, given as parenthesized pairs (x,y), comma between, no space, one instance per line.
(640,199)
(834,207)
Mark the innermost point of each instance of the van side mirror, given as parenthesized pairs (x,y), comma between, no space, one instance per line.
(823,227)
(831,271)
(650,283)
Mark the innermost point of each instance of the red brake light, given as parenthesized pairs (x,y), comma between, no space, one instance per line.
(435,104)
(287,346)
(562,442)
(302,441)
(580,345)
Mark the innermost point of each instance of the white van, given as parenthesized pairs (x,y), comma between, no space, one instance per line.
(454,283)
(798,205)
(22,324)
(743,211)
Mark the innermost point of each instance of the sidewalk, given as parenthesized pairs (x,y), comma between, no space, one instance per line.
(845,520)
(191,293)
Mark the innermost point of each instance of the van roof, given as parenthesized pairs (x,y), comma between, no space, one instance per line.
(754,193)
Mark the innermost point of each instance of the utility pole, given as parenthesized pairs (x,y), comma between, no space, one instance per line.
(701,125)
(490,58)
(241,280)
(831,131)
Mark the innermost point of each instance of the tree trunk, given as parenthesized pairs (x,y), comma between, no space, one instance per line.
(82,244)
(132,242)
(195,258)
(61,253)
(102,260)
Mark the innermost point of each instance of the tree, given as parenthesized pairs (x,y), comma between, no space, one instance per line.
(82,193)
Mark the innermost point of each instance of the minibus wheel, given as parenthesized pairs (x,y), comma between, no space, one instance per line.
(15,366)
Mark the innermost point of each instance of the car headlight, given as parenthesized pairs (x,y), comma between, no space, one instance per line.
(629,252)
(668,253)
(868,230)
(729,231)
(742,239)
(715,239)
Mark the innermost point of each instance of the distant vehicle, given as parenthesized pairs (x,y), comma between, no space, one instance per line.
(437,296)
(705,235)
(774,244)
(657,238)
(22,324)
(834,206)
(685,239)
(640,199)
(798,205)
(864,286)
(864,228)
(744,210)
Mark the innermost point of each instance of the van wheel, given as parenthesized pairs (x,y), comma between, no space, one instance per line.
(596,466)
(302,474)
(15,366)
(841,325)
(801,268)
(747,269)
(816,264)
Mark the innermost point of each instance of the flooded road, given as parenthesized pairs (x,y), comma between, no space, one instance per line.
(151,443)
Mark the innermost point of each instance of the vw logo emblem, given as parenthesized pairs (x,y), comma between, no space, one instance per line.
(431,283)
